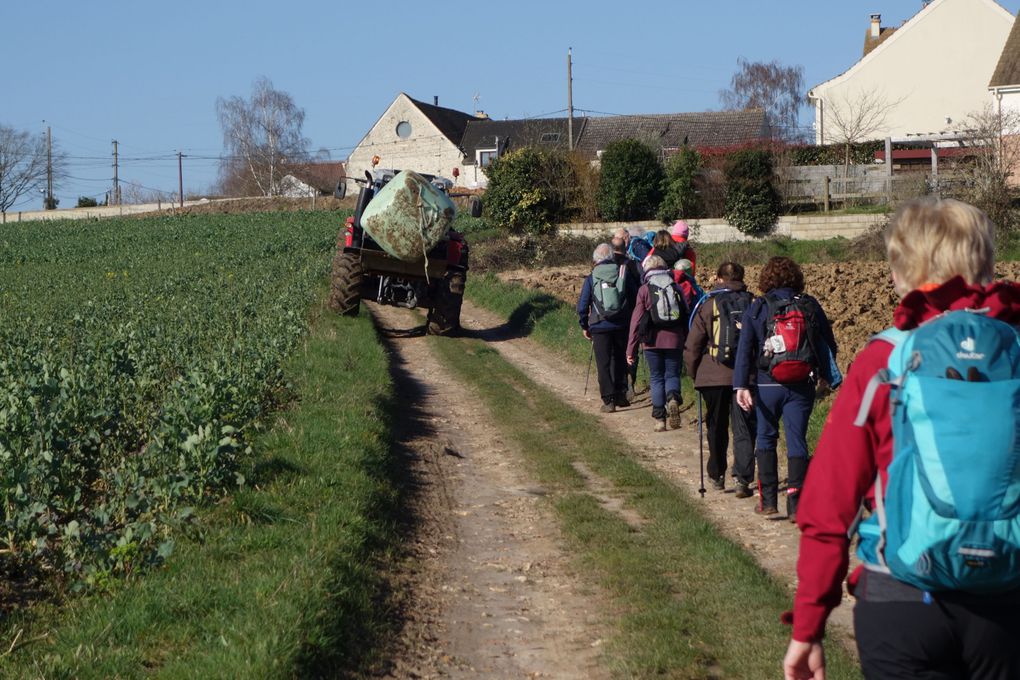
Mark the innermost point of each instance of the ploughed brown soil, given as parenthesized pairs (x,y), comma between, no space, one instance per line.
(857,297)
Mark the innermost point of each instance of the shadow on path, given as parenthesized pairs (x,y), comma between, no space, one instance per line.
(521,322)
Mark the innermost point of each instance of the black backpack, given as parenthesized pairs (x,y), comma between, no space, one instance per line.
(730,306)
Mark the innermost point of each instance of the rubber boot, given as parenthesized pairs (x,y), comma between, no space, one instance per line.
(768,481)
(796,472)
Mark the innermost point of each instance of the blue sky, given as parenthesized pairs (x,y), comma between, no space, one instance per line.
(148,74)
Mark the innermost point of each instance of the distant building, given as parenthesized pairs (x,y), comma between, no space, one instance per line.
(924,77)
(435,140)
(412,135)
(312,179)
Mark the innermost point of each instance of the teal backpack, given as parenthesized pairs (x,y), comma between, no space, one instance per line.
(608,290)
(949,518)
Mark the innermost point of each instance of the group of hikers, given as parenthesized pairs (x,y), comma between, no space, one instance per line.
(919,459)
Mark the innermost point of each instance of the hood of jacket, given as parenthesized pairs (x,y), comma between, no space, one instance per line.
(1000,298)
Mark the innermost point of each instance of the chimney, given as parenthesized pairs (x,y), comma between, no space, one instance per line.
(435,100)
(876,25)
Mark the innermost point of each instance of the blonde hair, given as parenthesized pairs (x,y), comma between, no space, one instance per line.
(930,241)
(653,262)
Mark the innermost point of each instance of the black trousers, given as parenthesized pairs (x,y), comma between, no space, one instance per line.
(611,362)
(721,414)
(943,640)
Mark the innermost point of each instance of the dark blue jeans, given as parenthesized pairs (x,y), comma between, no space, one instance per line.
(663,377)
(792,403)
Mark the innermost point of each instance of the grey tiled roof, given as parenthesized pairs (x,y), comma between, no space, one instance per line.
(450,122)
(673,130)
(542,132)
(1007,71)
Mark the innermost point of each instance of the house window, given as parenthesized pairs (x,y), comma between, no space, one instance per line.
(485,156)
(550,137)
(403,129)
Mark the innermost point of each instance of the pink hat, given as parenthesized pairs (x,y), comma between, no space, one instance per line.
(680,229)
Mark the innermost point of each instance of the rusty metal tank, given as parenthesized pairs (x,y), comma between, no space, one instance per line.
(408,217)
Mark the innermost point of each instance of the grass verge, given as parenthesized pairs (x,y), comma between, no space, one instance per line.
(691,602)
(285,581)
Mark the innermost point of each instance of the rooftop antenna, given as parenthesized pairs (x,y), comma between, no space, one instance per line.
(475,99)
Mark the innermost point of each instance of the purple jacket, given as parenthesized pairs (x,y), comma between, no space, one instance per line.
(663,338)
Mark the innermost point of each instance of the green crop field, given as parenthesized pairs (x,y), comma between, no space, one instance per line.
(136,360)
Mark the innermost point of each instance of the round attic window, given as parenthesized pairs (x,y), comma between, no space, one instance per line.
(403,129)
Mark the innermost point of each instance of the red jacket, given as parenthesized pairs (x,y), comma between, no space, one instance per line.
(848,458)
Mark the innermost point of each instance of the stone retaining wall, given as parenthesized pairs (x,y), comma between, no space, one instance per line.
(813,227)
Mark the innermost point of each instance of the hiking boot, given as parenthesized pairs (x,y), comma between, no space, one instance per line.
(766,510)
(660,426)
(743,490)
(673,410)
(621,400)
(768,481)
(797,471)
(608,408)
(792,500)
(718,484)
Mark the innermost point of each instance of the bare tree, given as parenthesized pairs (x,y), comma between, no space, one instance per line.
(771,87)
(988,174)
(22,165)
(261,136)
(854,119)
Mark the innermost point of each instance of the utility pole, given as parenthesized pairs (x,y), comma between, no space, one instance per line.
(570,103)
(180,178)
(116,186)
(49,170)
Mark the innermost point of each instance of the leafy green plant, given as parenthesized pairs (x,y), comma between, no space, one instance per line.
(752,202)
(630,187)
(525,194)
(135,359)
(681,198)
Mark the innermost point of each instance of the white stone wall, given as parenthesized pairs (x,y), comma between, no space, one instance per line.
(936,67)
(798,227)
(426,150)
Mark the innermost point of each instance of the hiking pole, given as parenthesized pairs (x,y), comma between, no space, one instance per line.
(591,355)
(701,449)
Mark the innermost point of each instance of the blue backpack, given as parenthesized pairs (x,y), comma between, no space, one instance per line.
(640,246)
(949,518)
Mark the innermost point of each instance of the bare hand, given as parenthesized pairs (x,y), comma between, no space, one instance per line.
(804,661)
(630,359)
(587,333)
(744,399)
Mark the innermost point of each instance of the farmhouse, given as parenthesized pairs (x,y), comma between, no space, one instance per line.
(437,140)
(412,134)
(920,79)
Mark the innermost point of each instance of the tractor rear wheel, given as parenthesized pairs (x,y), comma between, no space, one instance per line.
(345,284)
(444,316)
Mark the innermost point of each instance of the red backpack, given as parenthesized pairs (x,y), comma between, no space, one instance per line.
(788,352)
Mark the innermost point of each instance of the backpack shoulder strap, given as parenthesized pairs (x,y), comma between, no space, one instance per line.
(894,337)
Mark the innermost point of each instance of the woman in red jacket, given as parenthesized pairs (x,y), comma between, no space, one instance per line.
(941,254)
